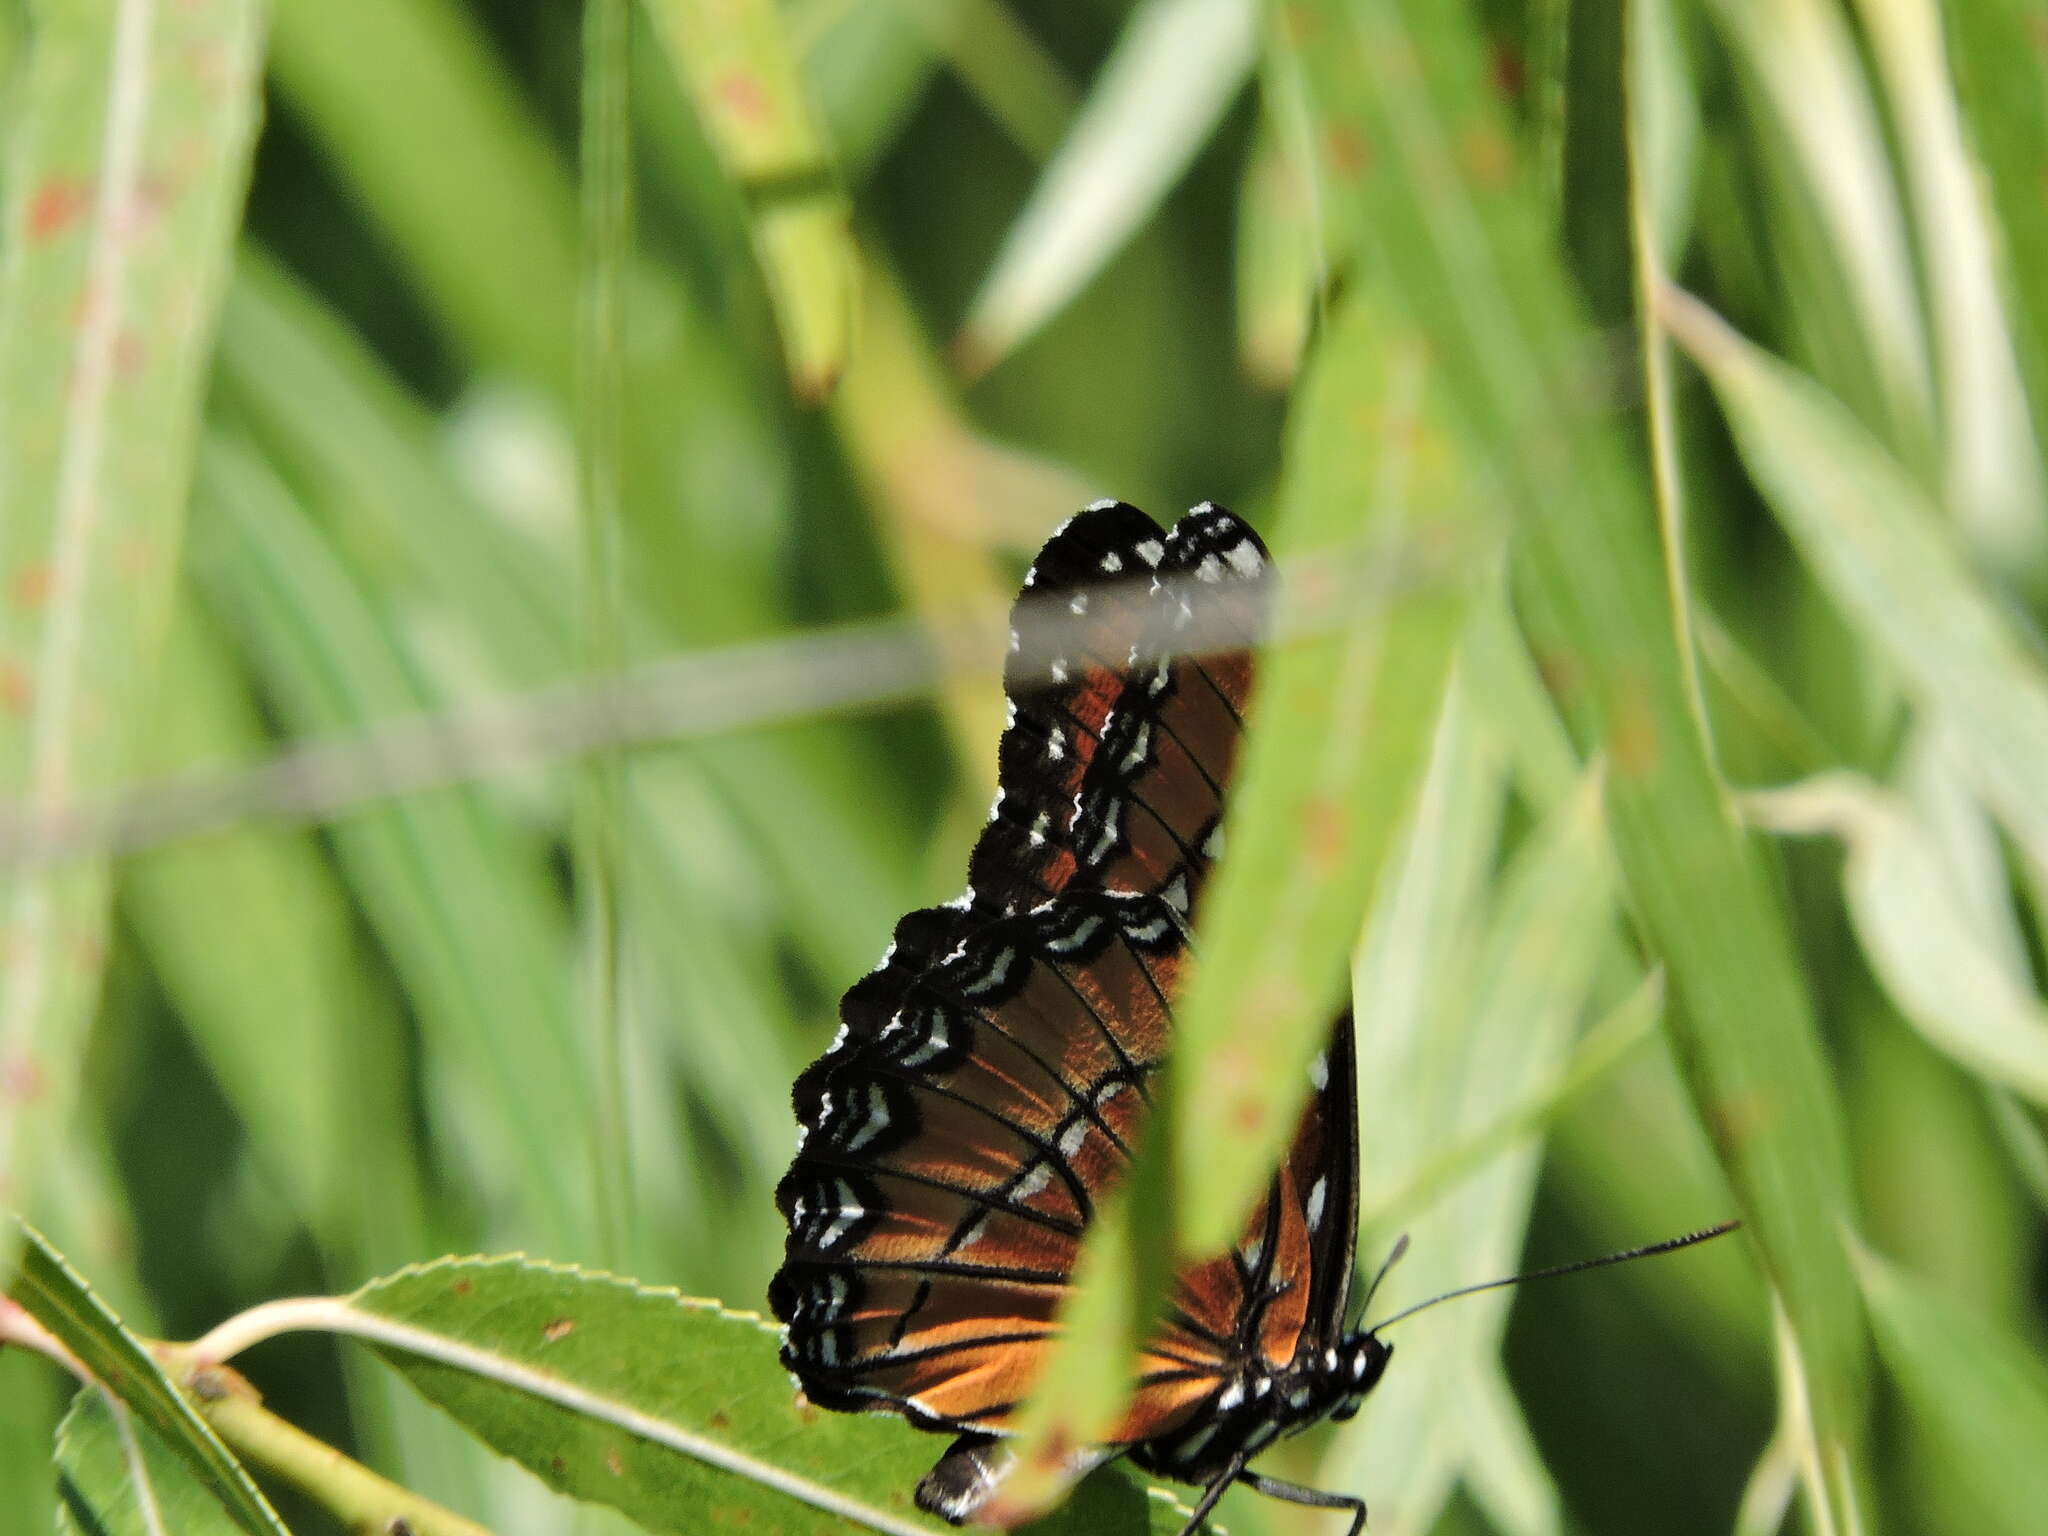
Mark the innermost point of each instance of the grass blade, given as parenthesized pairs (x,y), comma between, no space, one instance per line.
(126,171)
(1444,204)
(738,64)
(1977,1392)
(1177,67)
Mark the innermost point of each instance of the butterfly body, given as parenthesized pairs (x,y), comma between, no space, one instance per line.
(995,1072)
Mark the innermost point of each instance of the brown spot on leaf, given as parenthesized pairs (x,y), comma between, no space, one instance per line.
(1347,152)
(1510,71)
(560,1328)
(558,1466)
(31,585)
(1329,834)
(464,1287)
(21,1081)
(15,689)
(720,1421)
(743,96)
(614,1463)
(56,207)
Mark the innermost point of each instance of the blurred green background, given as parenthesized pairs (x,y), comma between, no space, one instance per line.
(438,420)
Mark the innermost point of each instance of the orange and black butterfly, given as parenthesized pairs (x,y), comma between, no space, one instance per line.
(991,1074)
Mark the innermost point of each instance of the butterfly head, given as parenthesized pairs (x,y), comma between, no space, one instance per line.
(1361,1360)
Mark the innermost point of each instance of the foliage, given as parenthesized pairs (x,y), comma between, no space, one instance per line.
(457,750)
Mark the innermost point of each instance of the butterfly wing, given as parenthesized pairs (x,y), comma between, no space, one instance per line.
(992,1074)
(1113,767)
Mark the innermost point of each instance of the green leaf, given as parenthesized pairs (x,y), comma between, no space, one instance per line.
(54,1296)
(1977,1392)
(1913,919)
(1992,475)
(126,161)
(111,1485)
(459,898)
(1341,729)
(738,64)
(1512,1026)
(1846,258)
(1879,548)
(1419,159)
(672,1410)
(1176,69)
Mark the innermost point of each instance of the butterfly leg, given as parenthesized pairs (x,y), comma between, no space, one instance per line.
(1314,1498)
(961,1481)
(1213,1492)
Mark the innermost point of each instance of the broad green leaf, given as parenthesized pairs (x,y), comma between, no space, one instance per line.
(673,1411)
(1176,69)
(1977,1392)
(126,163)
(1912,918)
(737,62)
(54,1296)
(1417,155)
(116,1483)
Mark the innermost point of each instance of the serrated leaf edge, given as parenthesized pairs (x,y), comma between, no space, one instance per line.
(345,1317)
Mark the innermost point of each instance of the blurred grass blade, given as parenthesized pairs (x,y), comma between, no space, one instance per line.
(1912,920)
(738,65)
(997,58)
(1998,78)
(1992,471)
(461,903)
(1852,281)
(1279,258)
(376,80)
(1447,211)
(1655,150)
(1505,1466)
(1876,544)
(250,935)
(1341,731)
(1534,969)
(1977,1392)
(605,251)
(126,166)
(50,1292)
(1176,69)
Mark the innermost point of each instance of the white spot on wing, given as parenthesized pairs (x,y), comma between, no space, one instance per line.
(1149,550)
(1112,562)
(1244,558)
(1317,1196)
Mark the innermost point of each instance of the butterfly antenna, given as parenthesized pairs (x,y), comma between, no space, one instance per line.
(1393,1256)
(1669,1245)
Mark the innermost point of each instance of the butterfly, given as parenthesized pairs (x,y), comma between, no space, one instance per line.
(991,1075)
